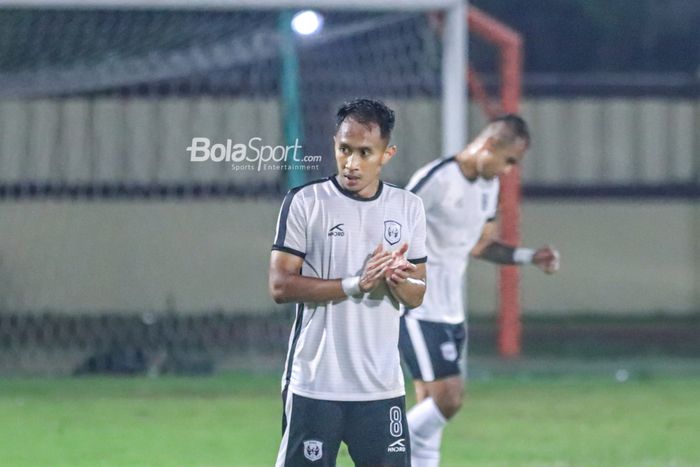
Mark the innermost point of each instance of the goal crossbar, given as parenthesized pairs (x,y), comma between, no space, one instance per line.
(237,4)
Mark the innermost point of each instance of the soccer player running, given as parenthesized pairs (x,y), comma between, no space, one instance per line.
(460,195)
(349,251)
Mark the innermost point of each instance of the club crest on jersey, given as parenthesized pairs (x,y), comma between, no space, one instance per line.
(484,201)
(449,351)
(392,232)
(313,449)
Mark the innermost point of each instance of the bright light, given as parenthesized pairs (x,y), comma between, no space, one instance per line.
(307,22)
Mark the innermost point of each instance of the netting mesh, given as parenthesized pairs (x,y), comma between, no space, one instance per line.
(156,344)
(108,101)
(58,52)
(101,104)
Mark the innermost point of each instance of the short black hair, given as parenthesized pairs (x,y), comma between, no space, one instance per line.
(366,111)
(517,126)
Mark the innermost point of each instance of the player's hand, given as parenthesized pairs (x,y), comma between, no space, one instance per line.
(399,269)
(547,259)
(375,268)
(394,277)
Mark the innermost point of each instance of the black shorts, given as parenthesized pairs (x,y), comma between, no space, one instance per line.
(431,350)
(375,432)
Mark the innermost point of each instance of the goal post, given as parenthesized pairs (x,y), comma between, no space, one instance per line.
(454,53)
(116,119)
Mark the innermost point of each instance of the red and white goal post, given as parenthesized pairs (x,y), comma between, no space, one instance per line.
(457,20)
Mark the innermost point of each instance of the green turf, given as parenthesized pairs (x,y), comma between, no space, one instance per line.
(234,420)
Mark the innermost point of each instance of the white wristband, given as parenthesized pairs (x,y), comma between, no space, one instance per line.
(523,255)
(413,281)
(351,286)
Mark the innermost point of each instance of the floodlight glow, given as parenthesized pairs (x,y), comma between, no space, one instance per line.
(307,22)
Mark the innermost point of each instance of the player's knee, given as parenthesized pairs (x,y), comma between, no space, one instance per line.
(449,403)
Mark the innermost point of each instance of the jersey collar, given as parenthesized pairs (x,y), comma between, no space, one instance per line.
(351,195)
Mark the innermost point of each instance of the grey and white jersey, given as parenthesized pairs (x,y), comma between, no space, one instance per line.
(456,211)
(347,350)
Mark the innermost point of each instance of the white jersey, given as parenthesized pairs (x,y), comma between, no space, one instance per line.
(347,350)
(456,211)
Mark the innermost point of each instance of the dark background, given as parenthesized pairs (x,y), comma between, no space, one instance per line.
(575,36)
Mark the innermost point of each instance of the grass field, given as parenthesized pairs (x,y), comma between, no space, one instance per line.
(234,420)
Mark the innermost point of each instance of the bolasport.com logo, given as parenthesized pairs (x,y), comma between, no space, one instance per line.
(253,155)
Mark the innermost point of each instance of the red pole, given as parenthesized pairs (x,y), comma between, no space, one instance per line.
(509,43)
(478,91)
(510,336)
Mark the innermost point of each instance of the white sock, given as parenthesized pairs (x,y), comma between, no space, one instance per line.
(425,423)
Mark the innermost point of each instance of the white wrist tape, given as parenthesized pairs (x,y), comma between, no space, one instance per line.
(413,281)
(523,255)
(351,286)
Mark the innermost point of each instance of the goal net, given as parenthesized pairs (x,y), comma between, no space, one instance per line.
(102,101)
(109,100)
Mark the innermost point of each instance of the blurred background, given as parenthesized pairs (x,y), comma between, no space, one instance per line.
(118,254)
(122,252)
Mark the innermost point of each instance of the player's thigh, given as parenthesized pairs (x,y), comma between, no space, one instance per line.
(313,433)
(376,433)
(431,350)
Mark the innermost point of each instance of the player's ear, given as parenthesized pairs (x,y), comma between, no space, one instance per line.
(491,143)
(389,152)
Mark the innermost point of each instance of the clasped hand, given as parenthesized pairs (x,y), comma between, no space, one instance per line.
(393,267)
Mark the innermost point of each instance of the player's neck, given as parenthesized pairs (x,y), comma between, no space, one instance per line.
(368,193)
(466,159)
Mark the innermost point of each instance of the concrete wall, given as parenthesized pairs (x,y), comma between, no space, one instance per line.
(613,140)
(575,140)
(135,256)
(618,257)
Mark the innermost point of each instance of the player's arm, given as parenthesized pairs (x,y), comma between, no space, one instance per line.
(286,284)
(406,280)
(490,249)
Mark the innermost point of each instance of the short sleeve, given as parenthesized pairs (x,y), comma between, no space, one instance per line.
(426,185)
(417,252)
(291,226)
(493,202)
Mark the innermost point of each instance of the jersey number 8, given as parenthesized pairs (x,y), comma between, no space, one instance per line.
(395,426)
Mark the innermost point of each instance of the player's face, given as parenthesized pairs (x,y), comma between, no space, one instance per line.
(499,159)
(360,153)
